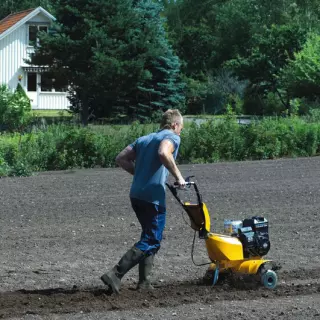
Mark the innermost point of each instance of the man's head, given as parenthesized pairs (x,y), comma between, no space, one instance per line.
(173,120)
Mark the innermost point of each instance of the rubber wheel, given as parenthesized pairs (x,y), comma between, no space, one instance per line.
(269,279)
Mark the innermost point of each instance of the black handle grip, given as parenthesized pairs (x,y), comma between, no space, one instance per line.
(188,184)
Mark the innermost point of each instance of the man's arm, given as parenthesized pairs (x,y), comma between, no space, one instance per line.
(125,159)
(165,152)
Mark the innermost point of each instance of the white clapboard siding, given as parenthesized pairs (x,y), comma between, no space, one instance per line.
(13,50)
(52,101)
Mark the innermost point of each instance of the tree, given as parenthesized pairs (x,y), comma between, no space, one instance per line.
(164,88)
(301,76)
(269,54)
(252,37)
(93,47)
(106,49)
(205,34)
(191,29)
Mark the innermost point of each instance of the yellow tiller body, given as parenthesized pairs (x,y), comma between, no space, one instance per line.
(226,252)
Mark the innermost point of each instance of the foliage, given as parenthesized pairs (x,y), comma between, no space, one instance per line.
(196,93)
(269,54)
(61,147)
(164,88)
(15,109)
(126,59)
(301,77)
(191,28)
(4,168)
(225,89)
(116,57)
(253,38)
(313,115)
(21,93)
(213,96)
(212,141)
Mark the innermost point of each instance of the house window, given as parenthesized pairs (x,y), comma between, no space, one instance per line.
(32,81)
(33,34)
(53,83)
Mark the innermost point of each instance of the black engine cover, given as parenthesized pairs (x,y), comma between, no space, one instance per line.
(254,236)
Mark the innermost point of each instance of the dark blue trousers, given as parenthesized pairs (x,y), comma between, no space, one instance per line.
(152,219)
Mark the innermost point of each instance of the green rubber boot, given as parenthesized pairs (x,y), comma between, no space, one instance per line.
(145,267)
(113,277)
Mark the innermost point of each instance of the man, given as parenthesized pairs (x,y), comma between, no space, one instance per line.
(148,159)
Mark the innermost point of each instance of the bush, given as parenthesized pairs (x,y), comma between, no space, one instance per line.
(15,109)
(301,77)
(20,92)
(212,141)
(4,168)
(61,147)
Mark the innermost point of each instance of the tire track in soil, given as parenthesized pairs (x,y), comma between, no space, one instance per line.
(63,301)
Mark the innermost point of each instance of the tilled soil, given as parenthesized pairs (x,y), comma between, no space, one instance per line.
(61,230)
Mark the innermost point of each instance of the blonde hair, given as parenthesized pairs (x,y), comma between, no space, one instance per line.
(170,117)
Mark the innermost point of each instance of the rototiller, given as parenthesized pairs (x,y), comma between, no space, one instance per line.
(240,252)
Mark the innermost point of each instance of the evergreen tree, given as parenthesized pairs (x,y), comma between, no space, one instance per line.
(163,89)
(108,51)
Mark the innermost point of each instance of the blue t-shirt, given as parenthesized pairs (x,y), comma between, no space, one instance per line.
(150,174)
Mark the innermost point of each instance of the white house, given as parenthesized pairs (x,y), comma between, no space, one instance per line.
(18,36)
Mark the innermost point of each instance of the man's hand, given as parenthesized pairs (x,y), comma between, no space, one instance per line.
(181,183)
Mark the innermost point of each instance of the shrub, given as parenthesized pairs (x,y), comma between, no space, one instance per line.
(61,147)
(4,168)
(15,109)
(301,77)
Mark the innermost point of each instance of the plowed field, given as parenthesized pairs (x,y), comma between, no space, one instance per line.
(60,231)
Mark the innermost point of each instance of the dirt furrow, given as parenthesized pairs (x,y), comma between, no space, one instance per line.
(63,301)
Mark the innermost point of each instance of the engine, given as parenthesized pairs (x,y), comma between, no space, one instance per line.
(254,237)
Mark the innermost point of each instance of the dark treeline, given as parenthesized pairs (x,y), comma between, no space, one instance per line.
(131,59)
(260,57)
